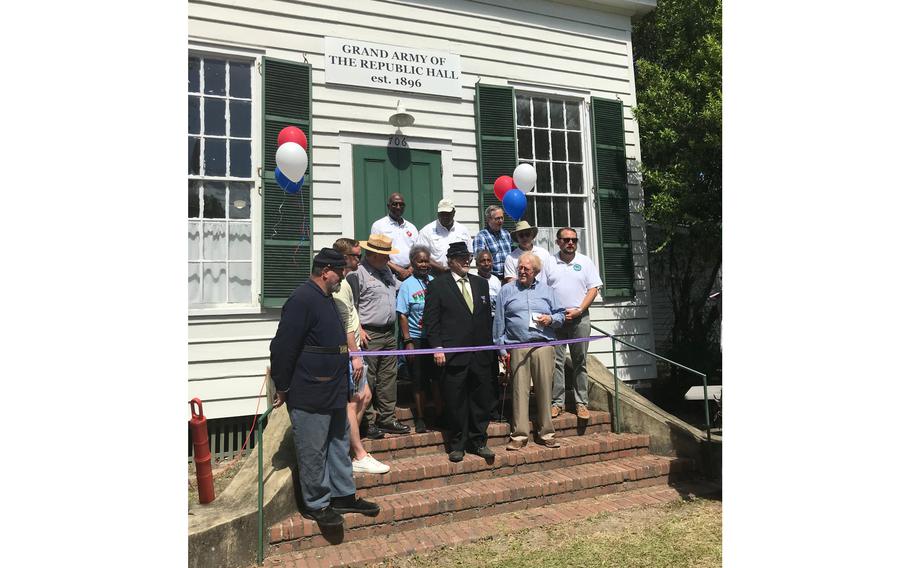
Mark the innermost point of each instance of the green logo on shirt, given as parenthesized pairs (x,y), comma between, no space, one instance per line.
(577,267)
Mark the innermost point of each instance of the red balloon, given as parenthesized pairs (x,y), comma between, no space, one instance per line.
(292,134)
(502,185)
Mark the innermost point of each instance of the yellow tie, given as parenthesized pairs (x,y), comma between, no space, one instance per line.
(467,294)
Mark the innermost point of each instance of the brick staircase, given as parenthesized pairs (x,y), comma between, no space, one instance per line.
(429,502)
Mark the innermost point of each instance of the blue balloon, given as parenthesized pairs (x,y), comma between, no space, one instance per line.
(514,202)
(286,184)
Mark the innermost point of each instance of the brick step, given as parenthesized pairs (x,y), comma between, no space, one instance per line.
(408,445)
(434,471)
(481,498)
(406,411)
(423,540)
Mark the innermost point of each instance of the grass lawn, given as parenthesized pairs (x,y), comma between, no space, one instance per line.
(679,534)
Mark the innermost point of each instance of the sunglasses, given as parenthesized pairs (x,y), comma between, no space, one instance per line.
(397,205)
(569,239)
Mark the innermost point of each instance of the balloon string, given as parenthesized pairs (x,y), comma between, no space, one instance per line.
(303,233)
(280,214)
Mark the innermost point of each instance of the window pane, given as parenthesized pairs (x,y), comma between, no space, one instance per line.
(213,72)
(541,144)
(529,215)
(214,282)
(577,212)
(194,283)
(544,213)
(574,142)
(215,156)
(193,199)
(193,155)
(524,144)
(540,112)
(214,116)
(214,200)
(543,178)
(560,183)
(192,237)
(193,75)
(523,108)
(576,179)
(572,122)
(241,282)
(560,211)
(240,119)
(558,142)
(193,115)
(240,79)
(240,238)
(214,240)
(556,117)
(240,201)
(241,158)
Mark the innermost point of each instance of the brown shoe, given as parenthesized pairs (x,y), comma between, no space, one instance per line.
(555,411)
(582,412)
(515,445)
(551,443)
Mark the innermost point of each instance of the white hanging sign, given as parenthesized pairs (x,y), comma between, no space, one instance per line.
(392,67)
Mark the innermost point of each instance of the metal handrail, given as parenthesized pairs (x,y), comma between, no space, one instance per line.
(704,379)
(260,552)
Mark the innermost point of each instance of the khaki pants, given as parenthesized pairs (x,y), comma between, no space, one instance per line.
(537,364)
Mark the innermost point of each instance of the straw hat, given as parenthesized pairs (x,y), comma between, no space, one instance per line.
(525,226)
(379,244)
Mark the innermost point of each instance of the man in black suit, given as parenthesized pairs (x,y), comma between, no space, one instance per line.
(457,314)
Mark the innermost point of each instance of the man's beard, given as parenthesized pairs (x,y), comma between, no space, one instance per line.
(334,288)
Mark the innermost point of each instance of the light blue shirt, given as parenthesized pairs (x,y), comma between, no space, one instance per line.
(411,298)
(514,307)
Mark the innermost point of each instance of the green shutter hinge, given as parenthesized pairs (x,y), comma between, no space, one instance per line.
(259,66)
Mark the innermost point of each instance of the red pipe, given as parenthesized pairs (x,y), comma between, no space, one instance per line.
(201,454)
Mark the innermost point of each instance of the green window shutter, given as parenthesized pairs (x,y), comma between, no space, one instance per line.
(497,143)
(287,220)
(612,197)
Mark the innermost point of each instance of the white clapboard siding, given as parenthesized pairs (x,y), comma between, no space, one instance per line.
(534,42)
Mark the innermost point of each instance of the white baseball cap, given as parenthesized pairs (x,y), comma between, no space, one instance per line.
(445,206)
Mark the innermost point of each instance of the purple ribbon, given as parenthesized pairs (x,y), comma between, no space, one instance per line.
(396,352)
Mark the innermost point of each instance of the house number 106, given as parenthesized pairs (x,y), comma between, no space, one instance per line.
(398,141)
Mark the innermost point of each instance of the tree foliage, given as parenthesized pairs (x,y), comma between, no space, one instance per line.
(678,81)
(678,56)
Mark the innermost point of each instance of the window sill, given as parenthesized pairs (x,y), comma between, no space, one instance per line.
(225,311)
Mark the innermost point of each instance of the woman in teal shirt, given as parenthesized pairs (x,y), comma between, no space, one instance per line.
(411,296)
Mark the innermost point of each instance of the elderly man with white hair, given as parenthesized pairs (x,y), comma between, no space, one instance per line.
(527,312)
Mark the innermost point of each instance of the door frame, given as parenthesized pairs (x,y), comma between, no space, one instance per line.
(346,142)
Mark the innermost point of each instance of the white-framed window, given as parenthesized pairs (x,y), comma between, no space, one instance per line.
(220,181)
(552,138)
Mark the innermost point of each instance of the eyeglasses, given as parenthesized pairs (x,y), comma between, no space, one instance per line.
(498,218)
(463,259)
(397,205)
(569,239)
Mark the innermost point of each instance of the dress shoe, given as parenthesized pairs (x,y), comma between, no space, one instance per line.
(582,412)
(555,411)
(456,456)
(327,517)
(394,427)
(372,432)
(352,504)
(515,445)
(420,426)
(551,443)
(484,452)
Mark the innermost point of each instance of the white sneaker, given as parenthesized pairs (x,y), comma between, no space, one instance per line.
(369,464)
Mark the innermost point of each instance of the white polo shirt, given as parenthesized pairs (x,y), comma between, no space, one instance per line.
(403,236)
(510,268)
(570,281)
(438,239)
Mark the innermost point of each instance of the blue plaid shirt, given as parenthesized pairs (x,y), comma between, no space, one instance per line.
(499,245)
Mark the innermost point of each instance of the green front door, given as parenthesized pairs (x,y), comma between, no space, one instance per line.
(380,171)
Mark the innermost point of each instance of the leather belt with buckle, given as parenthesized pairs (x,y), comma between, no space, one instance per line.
(331,350)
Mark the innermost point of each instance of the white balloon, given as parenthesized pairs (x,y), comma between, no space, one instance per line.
(525,177)
(292,160)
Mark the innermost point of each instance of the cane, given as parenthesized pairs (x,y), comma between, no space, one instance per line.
(508,369)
